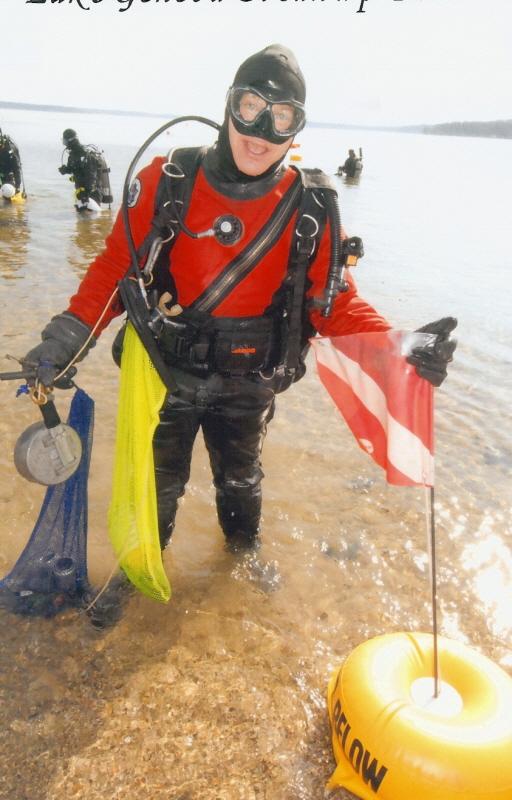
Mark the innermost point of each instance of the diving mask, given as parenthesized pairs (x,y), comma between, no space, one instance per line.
(253,114)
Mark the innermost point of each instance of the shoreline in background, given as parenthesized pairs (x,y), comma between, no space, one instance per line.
(493,129)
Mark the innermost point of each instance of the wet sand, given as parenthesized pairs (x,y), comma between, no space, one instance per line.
(221,693)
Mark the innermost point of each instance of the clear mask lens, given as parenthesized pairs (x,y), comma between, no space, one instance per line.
(247,106)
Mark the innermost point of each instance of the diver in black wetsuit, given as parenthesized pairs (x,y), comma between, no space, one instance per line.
(351,165)
(10,162)
(82,169)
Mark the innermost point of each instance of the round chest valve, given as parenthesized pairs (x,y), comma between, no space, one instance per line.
(228,229)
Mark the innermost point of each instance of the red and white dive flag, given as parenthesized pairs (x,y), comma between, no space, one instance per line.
(385,403)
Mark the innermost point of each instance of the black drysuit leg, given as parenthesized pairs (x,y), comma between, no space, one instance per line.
(172,452)
(233,415)
(234,430)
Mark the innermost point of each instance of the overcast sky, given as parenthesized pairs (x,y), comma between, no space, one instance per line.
(399,62)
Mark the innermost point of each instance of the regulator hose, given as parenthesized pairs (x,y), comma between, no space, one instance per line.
(135,268)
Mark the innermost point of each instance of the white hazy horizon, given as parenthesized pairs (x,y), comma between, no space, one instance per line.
(401,62)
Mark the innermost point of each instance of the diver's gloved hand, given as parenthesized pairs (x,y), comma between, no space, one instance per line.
(431,359)
(63,338)
(63,169)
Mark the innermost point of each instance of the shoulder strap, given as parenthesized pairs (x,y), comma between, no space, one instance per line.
(138,314)
(313,178)
(188,160)
(311,221)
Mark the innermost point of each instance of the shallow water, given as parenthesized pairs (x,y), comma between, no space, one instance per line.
(221,693)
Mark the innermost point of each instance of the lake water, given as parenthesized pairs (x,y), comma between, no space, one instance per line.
(221,693)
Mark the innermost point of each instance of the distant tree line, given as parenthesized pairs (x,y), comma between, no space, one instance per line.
(498,129)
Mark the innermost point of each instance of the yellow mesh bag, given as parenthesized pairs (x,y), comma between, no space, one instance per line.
(133,521)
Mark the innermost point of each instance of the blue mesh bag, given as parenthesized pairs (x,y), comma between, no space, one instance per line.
(51,573)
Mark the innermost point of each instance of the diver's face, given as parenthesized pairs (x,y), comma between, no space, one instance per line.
(253,156)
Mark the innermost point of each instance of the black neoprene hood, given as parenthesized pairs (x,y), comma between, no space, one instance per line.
(275,72)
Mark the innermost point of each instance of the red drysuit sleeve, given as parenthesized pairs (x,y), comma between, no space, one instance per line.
(111,264)
(350,313)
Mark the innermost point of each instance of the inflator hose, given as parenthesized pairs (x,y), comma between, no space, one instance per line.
(334,284)
(135,268)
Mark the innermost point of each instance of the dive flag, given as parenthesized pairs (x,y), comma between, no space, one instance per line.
(385,403)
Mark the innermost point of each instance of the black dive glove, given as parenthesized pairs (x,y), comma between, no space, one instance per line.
(432,359)
(62,338)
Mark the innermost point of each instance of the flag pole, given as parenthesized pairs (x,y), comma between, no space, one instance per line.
(433,579)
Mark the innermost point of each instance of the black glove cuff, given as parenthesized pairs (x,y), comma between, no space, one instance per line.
(70,332)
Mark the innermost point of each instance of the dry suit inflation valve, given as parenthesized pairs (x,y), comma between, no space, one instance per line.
(48,452)
(228,229)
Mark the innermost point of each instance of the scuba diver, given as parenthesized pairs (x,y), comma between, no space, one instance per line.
(11,176)
(240,257)
(352,165)
(89,171)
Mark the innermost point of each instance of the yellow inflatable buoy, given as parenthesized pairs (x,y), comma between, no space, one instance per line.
(393,740)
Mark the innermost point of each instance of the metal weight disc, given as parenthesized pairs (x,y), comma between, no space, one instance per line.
(47,455)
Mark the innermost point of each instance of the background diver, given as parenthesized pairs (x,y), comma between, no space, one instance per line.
(89,171)
(11,176)
(230,344)
(352,165)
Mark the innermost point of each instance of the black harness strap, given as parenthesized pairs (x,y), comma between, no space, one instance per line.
(163,224)
(138,314)
(176,189)
(311,223)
